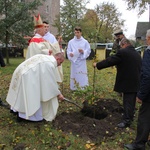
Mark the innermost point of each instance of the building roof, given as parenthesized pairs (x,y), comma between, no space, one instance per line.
(141,29)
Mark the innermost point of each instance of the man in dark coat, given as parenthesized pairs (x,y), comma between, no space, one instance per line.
(128,63)
(143,96)
(116,45)
(2,64)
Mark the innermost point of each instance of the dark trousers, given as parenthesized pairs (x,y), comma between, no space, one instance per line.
(2,63)
(129,100)
(143,127)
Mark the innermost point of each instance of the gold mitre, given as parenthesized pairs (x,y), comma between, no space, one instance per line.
(38,23)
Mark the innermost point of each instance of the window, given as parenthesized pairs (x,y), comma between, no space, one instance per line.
(47,8)
(21,0)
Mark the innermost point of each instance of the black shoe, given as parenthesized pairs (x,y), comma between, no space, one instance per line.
(13,112)
(134,147)
(129,146)
(3,104)
(123,125)
(19,119)
(148,142)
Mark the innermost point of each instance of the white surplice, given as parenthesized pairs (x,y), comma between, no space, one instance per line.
(78,76)
(33,89)
(38,45)
(50,38)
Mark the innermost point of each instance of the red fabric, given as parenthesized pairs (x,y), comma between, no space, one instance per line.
(37,40)
(39,26)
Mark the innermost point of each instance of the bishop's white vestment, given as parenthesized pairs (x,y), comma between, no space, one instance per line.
(78,75)
(33,89)
(52,40)
(38,45)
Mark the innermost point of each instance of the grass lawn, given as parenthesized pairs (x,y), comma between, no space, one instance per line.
(43,136)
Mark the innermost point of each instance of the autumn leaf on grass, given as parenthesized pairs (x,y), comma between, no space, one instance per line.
(90,146)
(2,146)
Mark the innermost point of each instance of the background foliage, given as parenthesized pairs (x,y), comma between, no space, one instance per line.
(98,24)
(16,22)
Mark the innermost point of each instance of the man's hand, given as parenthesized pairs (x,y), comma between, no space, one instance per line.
(138,100)
(94,64)
(50,52)
(60,97)
(81,51)
(71,55)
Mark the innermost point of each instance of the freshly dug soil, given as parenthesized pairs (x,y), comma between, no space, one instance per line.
(93,122)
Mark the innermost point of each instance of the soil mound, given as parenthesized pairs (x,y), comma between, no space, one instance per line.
(93,122)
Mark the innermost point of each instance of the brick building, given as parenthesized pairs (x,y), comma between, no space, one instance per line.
(48,11)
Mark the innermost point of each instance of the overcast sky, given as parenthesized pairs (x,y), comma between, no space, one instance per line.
(130,17)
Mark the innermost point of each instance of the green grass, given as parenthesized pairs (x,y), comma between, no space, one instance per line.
(43,136)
